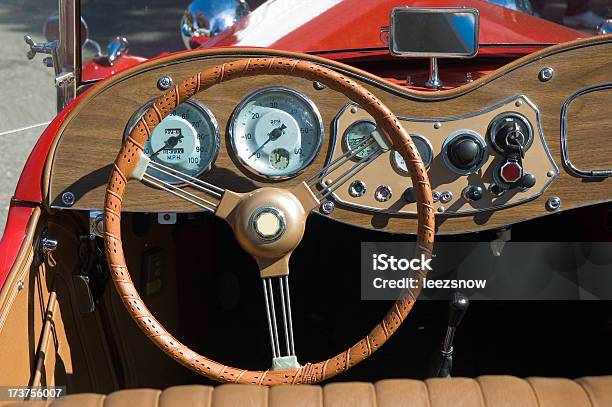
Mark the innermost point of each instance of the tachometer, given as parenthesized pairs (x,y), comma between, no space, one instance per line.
(276,132)
(186,141)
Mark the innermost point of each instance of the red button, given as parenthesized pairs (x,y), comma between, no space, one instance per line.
(511,172)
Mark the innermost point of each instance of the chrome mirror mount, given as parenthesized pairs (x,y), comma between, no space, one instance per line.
(433,33)
(207,19)
(115,48)
(605,27)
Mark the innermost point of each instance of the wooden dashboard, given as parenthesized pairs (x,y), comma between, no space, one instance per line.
(569,157)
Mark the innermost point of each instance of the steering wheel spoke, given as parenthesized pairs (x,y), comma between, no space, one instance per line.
(282,357)
(146,168)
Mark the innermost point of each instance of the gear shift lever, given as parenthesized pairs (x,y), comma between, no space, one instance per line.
(457,307)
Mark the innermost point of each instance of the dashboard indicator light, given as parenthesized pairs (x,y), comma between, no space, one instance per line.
(383,193)
(357,188)
(511,172)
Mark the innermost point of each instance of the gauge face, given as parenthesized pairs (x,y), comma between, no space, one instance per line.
(276,132)
(355,135)
(425,150)
(186,141)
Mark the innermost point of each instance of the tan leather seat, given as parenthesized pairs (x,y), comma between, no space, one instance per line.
(485,391)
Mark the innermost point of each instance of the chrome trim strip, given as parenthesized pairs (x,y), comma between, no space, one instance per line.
(571,168)
(313,108)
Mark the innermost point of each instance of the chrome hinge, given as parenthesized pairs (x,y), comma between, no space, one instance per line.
(61,77)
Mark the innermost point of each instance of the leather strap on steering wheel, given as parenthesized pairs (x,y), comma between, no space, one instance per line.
(130,153)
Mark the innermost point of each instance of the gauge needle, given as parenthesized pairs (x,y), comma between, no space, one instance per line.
(171,142)
(273,135)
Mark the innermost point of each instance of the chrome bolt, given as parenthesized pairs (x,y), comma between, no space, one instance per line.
(546,74)
(440,209)
(446,197)
(550,174)
(354,109)
(20,285)
(164,83)
(553,203)
(518,103)
(48,245)
(318,85)
(327,207)
(68,198)
(437,125)
(328,182)
(435,195)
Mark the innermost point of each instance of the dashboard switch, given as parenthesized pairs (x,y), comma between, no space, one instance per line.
(510,172)
(472,193)
(528,181)
(464,152)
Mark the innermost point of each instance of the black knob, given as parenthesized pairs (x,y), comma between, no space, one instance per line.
(473,193)
(465,153)
(409,195)
(528,181)
(457,307)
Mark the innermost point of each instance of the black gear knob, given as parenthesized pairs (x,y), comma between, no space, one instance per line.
(457,307)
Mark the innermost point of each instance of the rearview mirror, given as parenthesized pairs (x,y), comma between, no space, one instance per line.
(434,32)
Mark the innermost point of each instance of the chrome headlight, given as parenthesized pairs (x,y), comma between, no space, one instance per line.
(208,18)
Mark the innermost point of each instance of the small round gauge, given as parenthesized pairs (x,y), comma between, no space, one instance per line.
(187,141)
(425,150)
(356,133)
(276,132)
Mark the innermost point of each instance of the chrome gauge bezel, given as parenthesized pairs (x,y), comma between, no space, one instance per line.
(282,89)
(196,104)
(345,142)
(427,164)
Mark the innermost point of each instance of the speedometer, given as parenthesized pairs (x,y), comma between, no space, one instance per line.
(276,132)
(186,141)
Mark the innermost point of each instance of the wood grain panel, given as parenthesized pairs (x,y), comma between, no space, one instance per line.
(91,136)
(589,127)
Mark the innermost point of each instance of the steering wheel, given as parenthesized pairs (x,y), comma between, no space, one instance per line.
(267,222)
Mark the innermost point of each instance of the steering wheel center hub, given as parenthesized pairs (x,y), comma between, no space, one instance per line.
(268,222)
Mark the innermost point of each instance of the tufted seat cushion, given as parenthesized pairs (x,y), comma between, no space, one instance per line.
(484,391)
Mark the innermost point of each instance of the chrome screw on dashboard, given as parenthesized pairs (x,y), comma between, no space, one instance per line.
(440,209)
(354,109)
(327,207)
(446,197)
(68,198)
(546,74)
(318,85)
(553,203)
(164,83)
(437,125)
(550,173)
(435,195)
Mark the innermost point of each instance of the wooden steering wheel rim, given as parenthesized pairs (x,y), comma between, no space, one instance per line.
(130,153)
